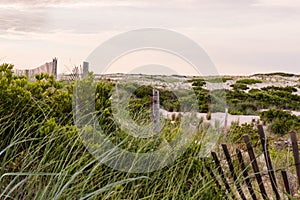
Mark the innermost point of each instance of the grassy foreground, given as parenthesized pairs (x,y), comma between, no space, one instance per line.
(43,157)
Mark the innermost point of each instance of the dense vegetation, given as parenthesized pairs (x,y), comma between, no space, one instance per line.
(255,100)
(249,81)
(239,86)
(276,74)
(43,157)
(280,122)
(241,102)
(218,80)
(237,131)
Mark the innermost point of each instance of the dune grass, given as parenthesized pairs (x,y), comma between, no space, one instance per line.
(57,166)
(42,155)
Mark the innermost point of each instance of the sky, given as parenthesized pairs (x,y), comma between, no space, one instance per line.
(241,37)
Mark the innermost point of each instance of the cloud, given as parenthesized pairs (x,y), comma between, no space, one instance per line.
(91,16)
(278,3)
(21,20)
(35,2)
(236,33)
(29,15)
(62,3)
(52,15)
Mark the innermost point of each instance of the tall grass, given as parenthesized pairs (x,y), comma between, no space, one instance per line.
(57,167)
(43,158)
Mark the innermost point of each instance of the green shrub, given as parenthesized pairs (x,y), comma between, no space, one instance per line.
(274,89)
(239,86)
(248,81)
(218,80)
(236,133)
(197,82)
(280,122)
(262,99)
(276,74)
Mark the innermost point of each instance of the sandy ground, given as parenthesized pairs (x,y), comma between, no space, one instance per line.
(241,119)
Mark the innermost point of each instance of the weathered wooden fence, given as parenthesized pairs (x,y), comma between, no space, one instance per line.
(232,178)
(49,68)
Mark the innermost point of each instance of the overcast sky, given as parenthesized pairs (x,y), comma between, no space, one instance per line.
(240,36)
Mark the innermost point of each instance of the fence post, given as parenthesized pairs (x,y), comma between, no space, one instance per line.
(245,174)
(221,173)
(155,111)
(233,174)
(255,167)
(296,154)
(85,69)
(213,176)
(286,182)
(54,68)
(268,160)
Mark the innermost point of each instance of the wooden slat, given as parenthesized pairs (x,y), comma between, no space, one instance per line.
(221,173)
(255,167)
(268,161)
(296,154)
(286,182)
(222,191)
(207,167)
(232,171)
(205,178)
(245,174)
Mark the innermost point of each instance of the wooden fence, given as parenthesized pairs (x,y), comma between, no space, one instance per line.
(49,68)
(231,175)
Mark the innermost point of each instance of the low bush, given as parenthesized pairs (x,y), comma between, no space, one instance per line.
(280,122)
(239,86)
(236,133)
(248,81)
